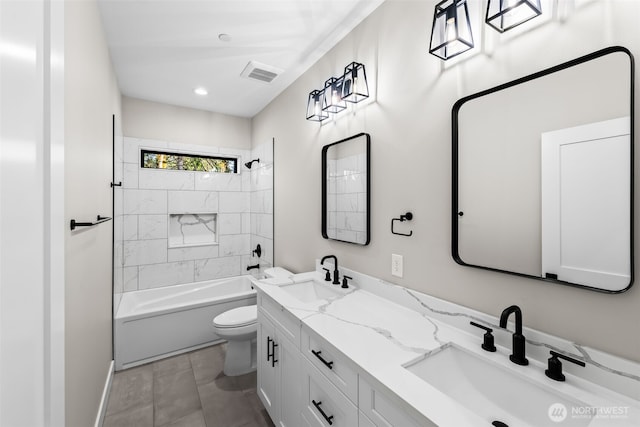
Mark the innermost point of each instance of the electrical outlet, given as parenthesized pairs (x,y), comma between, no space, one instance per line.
(396,265)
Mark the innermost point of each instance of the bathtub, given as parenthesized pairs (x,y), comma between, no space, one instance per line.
(156,323)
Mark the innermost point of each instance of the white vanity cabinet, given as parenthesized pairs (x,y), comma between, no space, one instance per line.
(278,353)
(379,409)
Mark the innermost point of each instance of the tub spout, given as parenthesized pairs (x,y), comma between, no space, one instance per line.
(251,267)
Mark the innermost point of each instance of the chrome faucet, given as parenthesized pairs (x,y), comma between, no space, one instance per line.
(517,352)
(336,278)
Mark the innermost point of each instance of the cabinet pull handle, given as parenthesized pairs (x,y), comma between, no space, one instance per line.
(328,418)
(317,354)
(273,354)
(269,351)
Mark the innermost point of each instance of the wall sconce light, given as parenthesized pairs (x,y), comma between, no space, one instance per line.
(333,102)
(451,31)
(354,86)
(504,15)
(314,106)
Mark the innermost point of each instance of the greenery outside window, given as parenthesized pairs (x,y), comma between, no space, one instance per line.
(187,162)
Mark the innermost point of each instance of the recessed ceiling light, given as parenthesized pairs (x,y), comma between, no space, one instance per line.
(224,37)
(201,91)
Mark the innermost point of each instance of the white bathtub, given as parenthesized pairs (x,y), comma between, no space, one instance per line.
(157,323)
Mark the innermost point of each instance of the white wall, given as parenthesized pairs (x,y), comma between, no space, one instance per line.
(164,122)
(410,127)
(91,98)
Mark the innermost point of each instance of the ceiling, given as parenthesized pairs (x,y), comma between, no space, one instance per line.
(163,49)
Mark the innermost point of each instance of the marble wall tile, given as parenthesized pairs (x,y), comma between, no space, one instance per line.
(216,268)
(159,275)
(246,179)
(192,148)
(347,202)
(264,225)
(230,223)
(141,252)
(165,179)
(237,244)
(193,201)
(235,202)
(131,150)
(130,178)
(130,227)
(218,181)
(152,227)
(246,223)
(193,253)
(130,277)
(144,201)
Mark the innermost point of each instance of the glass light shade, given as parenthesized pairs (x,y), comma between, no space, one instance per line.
(354,83)
(332,99)
(504,15)
(314,106)
(451,32)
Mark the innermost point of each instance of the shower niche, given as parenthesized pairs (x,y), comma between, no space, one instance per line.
(192,229)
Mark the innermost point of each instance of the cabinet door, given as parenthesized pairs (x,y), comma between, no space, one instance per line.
(288,365)
(267,373)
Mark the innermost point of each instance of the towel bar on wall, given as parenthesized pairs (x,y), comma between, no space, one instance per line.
(99,220)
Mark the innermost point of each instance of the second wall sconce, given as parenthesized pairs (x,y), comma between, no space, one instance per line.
(504,15)
(451,32)
(351,86)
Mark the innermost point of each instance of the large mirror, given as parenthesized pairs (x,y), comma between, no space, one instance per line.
(542,174)
(345,190)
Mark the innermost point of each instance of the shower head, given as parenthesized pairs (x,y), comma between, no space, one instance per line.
(249,164)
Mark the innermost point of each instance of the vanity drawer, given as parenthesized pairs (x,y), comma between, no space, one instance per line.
(288,325)
(323,402)
(336,367)
(384,411)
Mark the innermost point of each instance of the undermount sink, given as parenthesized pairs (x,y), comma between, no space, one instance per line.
(310,291)
(494,392)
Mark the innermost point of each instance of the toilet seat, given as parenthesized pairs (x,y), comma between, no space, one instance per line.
(237,317)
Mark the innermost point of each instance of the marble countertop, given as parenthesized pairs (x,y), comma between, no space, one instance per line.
(381,336)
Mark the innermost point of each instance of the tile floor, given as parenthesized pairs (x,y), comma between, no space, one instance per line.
(188,390)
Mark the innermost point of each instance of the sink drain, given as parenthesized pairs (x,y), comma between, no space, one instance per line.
(499,424)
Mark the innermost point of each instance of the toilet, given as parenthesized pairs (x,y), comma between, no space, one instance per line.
(239,327)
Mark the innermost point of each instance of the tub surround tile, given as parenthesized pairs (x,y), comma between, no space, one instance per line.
(142,252)
(217,268)
(144,201)
(130,227)
(213,181)
(130,175)
(130,277)
(230,223)
(149,196)
(236,244)
(193,201)
(235,202)
(193,253)
(154,179)
(166,274)
(152,227)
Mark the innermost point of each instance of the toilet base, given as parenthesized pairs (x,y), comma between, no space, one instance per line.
(240,358)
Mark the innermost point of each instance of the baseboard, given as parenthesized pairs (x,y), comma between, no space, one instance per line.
(105,396)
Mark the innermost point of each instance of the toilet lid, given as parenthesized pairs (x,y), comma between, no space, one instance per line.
(240,316)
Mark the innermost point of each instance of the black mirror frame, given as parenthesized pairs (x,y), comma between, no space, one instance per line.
(455,149)
(368,183)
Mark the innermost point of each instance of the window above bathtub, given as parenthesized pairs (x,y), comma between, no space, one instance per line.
(152,159)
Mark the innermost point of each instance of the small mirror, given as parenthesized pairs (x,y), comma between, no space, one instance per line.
(345,190)
(542,174)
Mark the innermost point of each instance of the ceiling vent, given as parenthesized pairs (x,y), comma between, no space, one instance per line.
(262,72)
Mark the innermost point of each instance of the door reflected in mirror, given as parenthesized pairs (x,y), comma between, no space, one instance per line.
(345,190)
(542,179)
